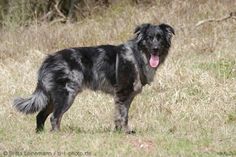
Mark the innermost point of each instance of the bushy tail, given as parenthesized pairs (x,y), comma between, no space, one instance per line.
(36,102)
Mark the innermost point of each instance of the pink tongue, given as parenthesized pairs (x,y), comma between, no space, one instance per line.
(154,61)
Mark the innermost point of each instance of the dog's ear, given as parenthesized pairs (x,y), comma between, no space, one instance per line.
(168,30)
(140,30)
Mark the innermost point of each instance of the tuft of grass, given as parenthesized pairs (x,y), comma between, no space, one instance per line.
(223,68)
(231,118)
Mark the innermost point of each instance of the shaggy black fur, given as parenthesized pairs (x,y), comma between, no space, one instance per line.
(120,70)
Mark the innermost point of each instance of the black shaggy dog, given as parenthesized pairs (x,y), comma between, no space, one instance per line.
(118,70)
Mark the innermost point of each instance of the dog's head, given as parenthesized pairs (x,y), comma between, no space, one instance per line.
(154,41)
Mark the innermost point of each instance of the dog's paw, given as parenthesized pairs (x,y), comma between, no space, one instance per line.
(39,130)
(130,132)
(125,130)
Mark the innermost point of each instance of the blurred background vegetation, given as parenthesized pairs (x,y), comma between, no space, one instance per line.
(22,12)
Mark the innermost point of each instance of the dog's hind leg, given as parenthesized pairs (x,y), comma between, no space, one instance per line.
(42,116)
(62,102)
(63,97)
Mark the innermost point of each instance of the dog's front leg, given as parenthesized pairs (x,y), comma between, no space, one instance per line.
(122,105)
(137,85)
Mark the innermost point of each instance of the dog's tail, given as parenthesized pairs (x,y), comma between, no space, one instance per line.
(36,102)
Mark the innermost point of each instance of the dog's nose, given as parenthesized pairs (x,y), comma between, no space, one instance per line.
(155,49)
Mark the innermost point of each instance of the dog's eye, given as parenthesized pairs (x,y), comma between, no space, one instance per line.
(158,37)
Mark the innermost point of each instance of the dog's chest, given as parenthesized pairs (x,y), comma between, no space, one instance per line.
(147,71)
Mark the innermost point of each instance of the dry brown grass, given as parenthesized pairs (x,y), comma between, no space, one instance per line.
(190,109)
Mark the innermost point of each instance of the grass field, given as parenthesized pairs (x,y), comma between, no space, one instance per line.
(189,110)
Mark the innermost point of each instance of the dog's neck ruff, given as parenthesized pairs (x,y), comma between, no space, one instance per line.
(141,59)
(147,73)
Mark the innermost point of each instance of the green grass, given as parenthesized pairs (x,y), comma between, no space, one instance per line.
(231,118)
(225,69)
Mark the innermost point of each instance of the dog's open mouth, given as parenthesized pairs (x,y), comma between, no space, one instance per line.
(154,61)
